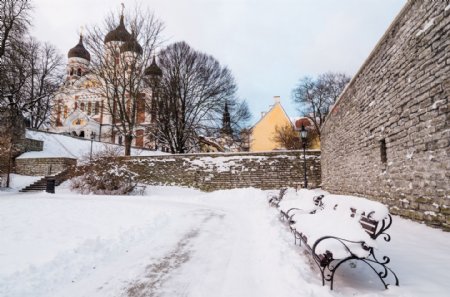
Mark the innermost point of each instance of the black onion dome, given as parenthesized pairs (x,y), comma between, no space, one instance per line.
(153,69)
(131,46)
(118,34)
(79,51)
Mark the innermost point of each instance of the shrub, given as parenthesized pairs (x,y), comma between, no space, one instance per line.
(104,174)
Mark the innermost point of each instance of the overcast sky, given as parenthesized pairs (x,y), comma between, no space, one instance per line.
(268,44)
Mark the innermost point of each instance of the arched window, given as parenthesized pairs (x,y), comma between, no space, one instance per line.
(89,108)
(82,106)
(79,72)
(82,134)
(71,71)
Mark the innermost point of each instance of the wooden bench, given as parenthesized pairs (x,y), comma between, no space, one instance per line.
(330,249)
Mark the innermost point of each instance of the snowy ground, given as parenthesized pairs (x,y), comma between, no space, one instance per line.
(181,242)
(58,145)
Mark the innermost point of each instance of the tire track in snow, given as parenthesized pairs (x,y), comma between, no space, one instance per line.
(156,274)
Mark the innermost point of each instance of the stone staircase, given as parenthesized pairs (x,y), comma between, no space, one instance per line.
(41,184)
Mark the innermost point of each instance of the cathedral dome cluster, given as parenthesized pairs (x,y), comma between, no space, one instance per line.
(119,34)
(80,110)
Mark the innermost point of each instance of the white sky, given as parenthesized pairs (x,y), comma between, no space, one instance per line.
(268,44)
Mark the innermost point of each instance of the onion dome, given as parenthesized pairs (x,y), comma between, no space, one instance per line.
(118,34)
(153,69)
(131,45)
(79,51)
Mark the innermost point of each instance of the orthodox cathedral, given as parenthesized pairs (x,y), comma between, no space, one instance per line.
(79,108)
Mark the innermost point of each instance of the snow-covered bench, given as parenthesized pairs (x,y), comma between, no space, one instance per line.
(274,200)
(289,208)
(339,229)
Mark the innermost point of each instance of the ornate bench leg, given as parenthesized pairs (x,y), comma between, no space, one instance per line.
(372,259)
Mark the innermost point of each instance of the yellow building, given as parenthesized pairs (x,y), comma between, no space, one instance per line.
(261,138)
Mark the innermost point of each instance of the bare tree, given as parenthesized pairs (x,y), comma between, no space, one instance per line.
(46,75)
(31,74)
(14,22)
(191,96)
(315,96)
(28,72)
(287,137)
(119,66)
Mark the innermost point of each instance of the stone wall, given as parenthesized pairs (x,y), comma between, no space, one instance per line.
(388,135)
(208,172)
(43,166)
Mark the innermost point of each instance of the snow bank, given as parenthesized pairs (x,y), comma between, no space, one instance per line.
(62,146)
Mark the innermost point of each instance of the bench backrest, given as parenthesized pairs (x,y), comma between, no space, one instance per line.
(369,225)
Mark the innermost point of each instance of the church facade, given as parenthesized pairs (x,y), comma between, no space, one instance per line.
(81,110)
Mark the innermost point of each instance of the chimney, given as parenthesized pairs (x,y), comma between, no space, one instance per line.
(276,99)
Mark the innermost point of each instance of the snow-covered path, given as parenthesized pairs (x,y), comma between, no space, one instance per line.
(180,242)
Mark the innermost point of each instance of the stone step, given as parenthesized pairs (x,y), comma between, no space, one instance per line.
(41,185)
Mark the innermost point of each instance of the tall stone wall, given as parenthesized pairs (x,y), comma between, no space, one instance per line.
(388,135)
(208,172)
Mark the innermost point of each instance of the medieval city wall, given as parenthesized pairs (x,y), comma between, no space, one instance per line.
(388,136)
(209,172)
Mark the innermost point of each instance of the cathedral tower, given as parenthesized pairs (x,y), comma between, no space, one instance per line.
(79,60)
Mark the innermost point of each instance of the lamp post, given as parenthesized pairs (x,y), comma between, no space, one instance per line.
(303,135)
(92,142)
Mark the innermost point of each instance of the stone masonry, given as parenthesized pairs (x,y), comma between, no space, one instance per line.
(208,172)
(388,136)
(43,166)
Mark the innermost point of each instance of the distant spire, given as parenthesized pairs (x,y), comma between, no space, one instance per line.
(226,121)
(123,8)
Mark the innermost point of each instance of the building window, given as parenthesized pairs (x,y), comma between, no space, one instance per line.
(82,106)
(66,111)
(79,72)
(120,140)
(96,108)
(383,151)
(89,107)
(71,71)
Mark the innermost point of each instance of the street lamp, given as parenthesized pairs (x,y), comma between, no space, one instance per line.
(92,141)
(303,135)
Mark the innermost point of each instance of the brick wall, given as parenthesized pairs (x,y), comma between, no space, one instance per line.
(388,135)
(42,166)
(210,172)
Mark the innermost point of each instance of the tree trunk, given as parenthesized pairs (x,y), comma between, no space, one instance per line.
(128,140)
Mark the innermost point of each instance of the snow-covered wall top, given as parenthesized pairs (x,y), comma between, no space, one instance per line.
(388,136)
(268,170)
